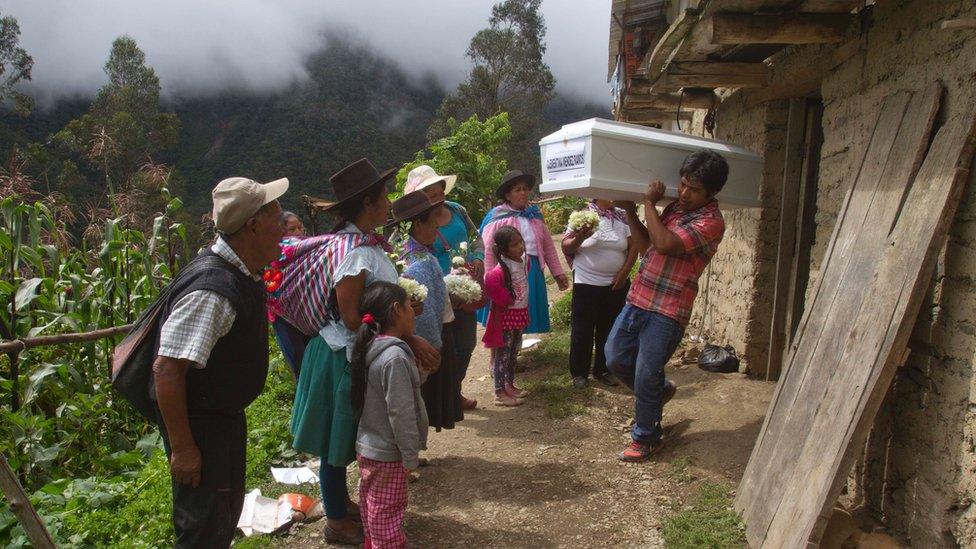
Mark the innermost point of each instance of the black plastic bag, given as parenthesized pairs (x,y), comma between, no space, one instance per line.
(717,359)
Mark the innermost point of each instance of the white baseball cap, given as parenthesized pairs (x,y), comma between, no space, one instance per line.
(237,199)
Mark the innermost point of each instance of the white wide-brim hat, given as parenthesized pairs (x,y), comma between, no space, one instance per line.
(424,176)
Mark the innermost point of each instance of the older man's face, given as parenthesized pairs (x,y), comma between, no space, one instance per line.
(269,230)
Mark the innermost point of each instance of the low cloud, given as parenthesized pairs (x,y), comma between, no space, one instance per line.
(199,48)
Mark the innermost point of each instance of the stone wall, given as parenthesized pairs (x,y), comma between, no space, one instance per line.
(919,470)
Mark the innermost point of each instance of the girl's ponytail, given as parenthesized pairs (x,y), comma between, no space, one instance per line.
(376,307)
(365,335)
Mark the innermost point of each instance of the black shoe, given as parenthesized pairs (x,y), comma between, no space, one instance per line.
(579,382)
(608,379)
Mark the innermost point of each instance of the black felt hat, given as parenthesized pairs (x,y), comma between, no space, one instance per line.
(412,205)
(510,179)
(351,182)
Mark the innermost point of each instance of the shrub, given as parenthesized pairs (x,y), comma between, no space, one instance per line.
(561,310)
(556,212)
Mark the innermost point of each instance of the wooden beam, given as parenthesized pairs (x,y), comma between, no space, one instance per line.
(703,74)
(21,506)
(693,99)
(655,59)
(787,28)
(17,345)
(958,24)
(790,191)
(654,114)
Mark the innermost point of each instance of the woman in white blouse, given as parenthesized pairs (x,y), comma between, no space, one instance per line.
(601,258)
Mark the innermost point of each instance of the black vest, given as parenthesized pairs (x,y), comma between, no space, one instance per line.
(238,365)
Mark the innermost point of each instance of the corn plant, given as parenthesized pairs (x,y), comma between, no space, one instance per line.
(63,417)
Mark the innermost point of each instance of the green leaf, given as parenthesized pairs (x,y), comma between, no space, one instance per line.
(27,292)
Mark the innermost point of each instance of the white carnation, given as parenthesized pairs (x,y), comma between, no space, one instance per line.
(582,220)
(463,288)
(458,262)
(463,246)
(415,290)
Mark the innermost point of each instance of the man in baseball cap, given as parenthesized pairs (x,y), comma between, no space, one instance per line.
(213,360)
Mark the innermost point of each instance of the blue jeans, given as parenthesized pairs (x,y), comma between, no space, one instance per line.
(640,344)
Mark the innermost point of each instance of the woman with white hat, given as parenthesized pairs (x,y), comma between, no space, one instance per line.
(457,236)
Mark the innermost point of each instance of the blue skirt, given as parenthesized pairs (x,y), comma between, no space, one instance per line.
(538,301)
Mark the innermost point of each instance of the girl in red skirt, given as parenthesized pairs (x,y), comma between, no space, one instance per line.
(508,288)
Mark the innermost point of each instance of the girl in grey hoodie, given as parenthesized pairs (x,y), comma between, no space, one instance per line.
(393,420)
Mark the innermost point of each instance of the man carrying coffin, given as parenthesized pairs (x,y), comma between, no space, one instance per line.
(676,246)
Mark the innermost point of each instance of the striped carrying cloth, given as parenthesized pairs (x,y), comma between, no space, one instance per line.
(305,297)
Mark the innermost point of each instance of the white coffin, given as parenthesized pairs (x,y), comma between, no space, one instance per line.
(599,158)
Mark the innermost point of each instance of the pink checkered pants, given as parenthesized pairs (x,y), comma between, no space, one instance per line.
(382,502)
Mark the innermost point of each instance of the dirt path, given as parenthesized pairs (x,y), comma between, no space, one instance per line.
(516,477)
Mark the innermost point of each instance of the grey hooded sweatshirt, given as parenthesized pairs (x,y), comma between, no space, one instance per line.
(393,426)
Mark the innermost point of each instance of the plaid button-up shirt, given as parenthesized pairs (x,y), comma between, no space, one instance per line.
(200,318)
(668,284)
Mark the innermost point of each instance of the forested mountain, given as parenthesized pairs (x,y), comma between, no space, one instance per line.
(355,103)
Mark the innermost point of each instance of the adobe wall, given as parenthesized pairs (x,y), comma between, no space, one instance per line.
(734,304)
(919,473)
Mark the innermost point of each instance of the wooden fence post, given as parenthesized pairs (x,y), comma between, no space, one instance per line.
(21,506)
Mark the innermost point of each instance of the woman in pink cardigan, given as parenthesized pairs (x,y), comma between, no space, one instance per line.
(516,212)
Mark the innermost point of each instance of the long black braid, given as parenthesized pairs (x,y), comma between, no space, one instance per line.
(503,239)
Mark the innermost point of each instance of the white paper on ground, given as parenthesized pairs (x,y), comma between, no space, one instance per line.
(529,343)
(293,475)
(263,515)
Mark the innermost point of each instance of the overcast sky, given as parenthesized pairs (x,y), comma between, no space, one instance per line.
(197,46)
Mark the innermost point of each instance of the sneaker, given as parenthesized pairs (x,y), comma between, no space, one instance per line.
(608,379)
(669,390)
(505,400)
(515,392)
(579,382)
(637,452)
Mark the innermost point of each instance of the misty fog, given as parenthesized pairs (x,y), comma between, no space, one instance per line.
(260,45)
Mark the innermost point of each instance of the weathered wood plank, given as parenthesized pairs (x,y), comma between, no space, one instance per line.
(655,59)
(713,75)
(692,99)
(786,28)
(875,205)
(786,243)
(884,323)
(890,161)
(872,205)
(21,506)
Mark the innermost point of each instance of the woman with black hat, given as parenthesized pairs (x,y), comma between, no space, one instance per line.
(515,211)
(323,281)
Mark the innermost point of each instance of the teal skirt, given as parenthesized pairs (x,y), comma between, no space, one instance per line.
(322,420)
(538,301)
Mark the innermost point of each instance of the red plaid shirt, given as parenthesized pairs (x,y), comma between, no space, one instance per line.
(668,284)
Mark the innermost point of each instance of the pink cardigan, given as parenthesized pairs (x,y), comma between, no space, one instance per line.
(499,298)
(543,239)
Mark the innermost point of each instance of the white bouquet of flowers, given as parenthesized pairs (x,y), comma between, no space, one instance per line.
(582,220)
(415,291)
(463,288)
